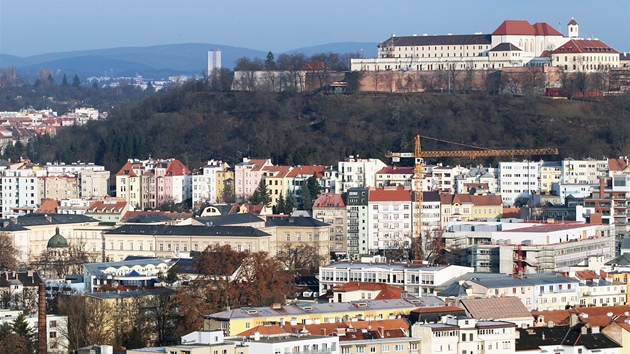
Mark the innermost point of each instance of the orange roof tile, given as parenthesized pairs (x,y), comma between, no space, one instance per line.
(48,206)
(585,46)
(395,170)
(330,201)
(127,170)
(617,164)
(307,170)
(177,168)
(389,194)
(386,291)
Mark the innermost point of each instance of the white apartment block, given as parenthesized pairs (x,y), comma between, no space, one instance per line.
(56,326)
(389,218)
(214,60)
(20,191)
(418,280)
(518,179)
(93,183)
(356,172)
(444,177)
(587,171)
(476,176)
(204,182)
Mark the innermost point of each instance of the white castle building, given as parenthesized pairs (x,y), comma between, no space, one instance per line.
(515,43)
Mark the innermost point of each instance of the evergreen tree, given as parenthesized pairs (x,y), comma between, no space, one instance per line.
(150,87)
(22,329)
(95,84)
(310,192)
(64,82)
(76,82)
(261,194)
(289,204)
(51,80)
(279,208)
(270,63)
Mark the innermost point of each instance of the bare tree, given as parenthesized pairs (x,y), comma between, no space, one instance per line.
(8,253)
(302,256)
(58,262)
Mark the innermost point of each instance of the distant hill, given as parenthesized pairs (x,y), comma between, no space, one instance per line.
(153,62)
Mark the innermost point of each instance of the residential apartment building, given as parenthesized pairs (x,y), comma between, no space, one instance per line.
(587,171)
(356,172)
(550,172)
(298,176)
(60,187)
(466,335)
(331,209)
(395,176)
(300,230)
(443,177)
(247,176)
(417,280)
(277,181)
(149,183)
(390,218)
(465,207)
(544,291)
(56,328)
(518,181)
(205,182)
(357,225)
(21,189)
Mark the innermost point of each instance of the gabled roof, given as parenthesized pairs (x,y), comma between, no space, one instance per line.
(398,194)
(48,206)
(499,308)
(127,170)
(584,46)
(177,168)
(27,279)
(307,170)
(491,200)
(524,28)
(572,22)
(106,207)
(623,260)
(281,171)
(505,47)
(329,200)
(617,164)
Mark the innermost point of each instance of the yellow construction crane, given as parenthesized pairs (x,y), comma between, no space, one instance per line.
(418,175)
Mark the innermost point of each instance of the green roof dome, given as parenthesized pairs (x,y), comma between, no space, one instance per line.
(57,241)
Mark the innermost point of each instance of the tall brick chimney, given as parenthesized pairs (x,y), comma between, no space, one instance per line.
(42,337)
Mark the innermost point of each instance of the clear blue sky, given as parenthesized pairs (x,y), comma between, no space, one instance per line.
(30,27)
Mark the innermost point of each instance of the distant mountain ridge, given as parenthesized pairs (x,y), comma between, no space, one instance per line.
(155,62)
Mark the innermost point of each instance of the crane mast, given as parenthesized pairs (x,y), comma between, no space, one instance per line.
(418,243)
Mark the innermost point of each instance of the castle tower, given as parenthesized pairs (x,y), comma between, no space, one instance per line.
(572,28)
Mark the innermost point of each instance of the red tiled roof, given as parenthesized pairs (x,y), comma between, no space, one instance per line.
(558,317)
(48,206)
(316,65)
(617,164)
(395,328)
(522,27)
(282,171)
(512,212)
(544,29)
(389,194)
(585,46)
(450,199)
(438,309)
(586,275)
(106,207)
(258,164)
(330,201)
(177,168)
(307,170)
(127,170)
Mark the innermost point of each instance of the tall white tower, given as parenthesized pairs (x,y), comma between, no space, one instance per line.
(573,29)
(214,60)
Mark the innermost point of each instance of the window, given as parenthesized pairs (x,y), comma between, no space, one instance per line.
(345,350)
(360,350)
(53,335)
(373,349)
(385,348)
(399,347)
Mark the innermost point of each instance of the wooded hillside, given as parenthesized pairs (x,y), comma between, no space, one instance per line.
(194,124)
